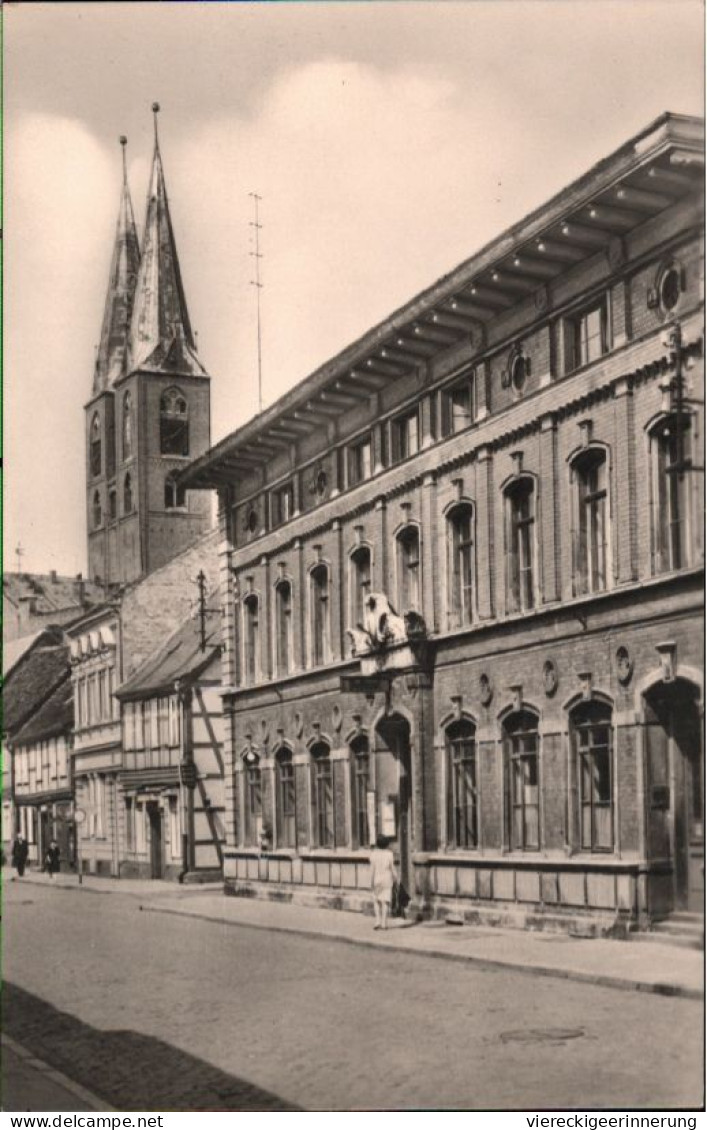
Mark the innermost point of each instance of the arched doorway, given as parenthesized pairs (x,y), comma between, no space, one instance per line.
(675,775)
(394,790)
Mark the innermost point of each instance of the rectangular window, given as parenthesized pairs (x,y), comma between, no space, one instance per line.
(287,830)
(360,461)
(458,408)
(409,569)
(587,335)
(324,801)
(254,802)
(174,719)
(283,504)
(361,780)
(463,794)
(523,790)
(140,837)
(673,480)
(594,770)
(319,595)
(591,544)
(406,435)
(283,608)
(462,565)
(521,546)
(251,638)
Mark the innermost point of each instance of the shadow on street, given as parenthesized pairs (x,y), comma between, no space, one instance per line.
(129,1070)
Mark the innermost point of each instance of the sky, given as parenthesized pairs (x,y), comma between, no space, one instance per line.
(388,141)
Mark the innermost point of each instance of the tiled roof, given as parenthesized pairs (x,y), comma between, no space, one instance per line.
(55,716)
(51,592)
(181,656)
(13,650)
(31,682)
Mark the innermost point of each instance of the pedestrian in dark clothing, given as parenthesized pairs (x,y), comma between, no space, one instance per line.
(20,851)
(52,857)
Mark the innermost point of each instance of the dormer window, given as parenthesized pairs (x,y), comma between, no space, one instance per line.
(174,423)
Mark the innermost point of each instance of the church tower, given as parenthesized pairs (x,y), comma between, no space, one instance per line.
(149,413)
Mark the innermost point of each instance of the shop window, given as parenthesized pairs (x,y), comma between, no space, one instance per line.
(586,335)
(671,452)
(95,446)
(462,788)
(283,627)
(591,726)
(590,475)
(520,737)
(286,799)
(520,544)
(174,423)
(319,615)
(360,583)
(360,773)
(460,533)
(360,461)
(323,795)
(408,547)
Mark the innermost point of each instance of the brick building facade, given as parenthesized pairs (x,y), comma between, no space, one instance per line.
(512,461)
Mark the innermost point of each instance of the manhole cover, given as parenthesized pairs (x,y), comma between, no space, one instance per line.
(541,1035)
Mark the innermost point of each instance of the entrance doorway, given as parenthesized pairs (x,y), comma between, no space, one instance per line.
(675,768)
(394,816)
(154,815)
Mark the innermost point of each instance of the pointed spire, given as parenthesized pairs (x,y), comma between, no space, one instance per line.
(115,331)
(161,337)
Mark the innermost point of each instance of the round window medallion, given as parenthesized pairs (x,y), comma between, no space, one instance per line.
(624,666)
(485,690)
(669,288)
(550,677)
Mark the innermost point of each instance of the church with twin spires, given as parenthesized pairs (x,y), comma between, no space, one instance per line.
(149,411)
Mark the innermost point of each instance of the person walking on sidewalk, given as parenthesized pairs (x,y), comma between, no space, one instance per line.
(383,875)
(20,851)
(52,858)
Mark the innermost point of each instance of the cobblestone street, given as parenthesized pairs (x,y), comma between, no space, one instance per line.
(149,1011)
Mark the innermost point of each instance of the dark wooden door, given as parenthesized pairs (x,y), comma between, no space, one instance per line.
(154,813)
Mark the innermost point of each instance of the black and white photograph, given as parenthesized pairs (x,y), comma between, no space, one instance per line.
(353,570)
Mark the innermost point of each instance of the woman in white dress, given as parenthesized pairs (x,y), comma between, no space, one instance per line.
(383,875)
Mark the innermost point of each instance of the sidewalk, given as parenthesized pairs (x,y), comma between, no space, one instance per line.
(29,1084)
(654,967)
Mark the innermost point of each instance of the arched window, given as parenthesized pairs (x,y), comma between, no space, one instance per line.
(174,423)
(323,794)
(112,504)
(95,455)
(520,739)
(286,799)
(671,458)
(175,495)
(408,544)
(283,627)
(319,614)
(127,426)
(591,730)
(251,638)
(360,583)
(520,544)
(462,789)
(128,494)
(97,510)
(360,780)
(590,475)
(253,798)
(460,525)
